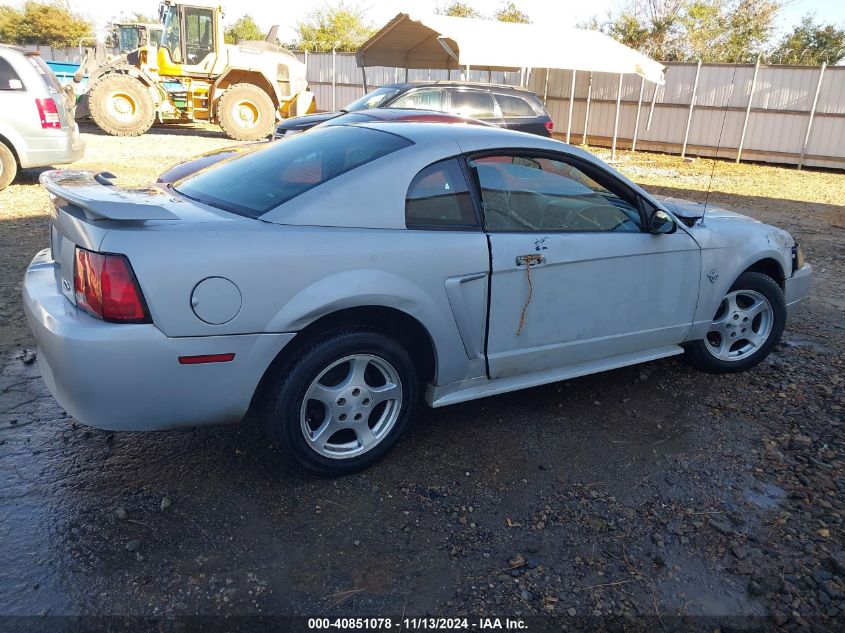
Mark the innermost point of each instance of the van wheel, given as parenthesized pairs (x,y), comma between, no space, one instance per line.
(246,113)
(343,404)
(748,323)
(8,166)
(121,105)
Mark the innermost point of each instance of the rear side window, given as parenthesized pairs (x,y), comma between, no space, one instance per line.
(514,106)
(253,183)
(46,74)
(439,198)
(9,79)
(473,104)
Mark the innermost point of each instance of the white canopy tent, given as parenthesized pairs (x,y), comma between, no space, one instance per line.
(444,42)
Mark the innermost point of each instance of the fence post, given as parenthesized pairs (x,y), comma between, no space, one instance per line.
(748,110)
(812,114)
(364,78)
(691,107)
(616,118)
(587,112)
(334,79)
(651,108)
(545,87)
(639,108)
(571,104)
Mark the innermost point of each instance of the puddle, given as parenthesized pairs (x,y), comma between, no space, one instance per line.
(791,340)
(765,495)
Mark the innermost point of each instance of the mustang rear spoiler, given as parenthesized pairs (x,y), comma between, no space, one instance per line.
(99,199)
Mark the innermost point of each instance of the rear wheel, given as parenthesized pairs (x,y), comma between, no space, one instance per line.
(747,325)
(121,105)
(8,166)
(246,113)
(344,403)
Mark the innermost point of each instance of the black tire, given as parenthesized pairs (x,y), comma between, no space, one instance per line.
(8,166)
(285,397)
(698,351)
(121,105)
(239,101)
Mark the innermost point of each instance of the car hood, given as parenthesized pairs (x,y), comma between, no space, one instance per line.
(690,212)
(305,122)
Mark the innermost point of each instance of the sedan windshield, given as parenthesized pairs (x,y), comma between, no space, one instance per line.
(259,180)
(373,99)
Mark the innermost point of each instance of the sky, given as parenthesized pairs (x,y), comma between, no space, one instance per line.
(287,14)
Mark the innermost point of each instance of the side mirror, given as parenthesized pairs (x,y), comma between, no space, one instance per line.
(661,223)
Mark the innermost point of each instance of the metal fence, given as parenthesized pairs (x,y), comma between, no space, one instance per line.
(780,114)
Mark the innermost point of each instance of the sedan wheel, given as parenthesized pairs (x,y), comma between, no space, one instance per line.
(351,406)
(748,323)
(341,401)
(742,325)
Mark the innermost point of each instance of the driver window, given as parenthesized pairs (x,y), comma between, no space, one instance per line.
(536,193)
(198,34)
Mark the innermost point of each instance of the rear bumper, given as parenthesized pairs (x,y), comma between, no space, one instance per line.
(52,147)
(124,377)
(797,287)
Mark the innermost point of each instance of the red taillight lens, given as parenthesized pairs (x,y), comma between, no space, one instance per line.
(49,113)
(106,287)
(550,126)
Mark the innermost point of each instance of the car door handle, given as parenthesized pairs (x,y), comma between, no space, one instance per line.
(530,260)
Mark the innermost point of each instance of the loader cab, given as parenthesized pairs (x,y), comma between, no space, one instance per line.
(191,39)
(132,36)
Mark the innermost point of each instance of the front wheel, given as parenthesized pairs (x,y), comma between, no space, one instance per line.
(121,105)
(747,325)
(246,113)
(344,403)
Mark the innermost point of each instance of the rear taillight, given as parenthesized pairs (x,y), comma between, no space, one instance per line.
(106,287)
(49,113)
(550,126)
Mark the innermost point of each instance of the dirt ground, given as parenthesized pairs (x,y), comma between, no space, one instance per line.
(649,497)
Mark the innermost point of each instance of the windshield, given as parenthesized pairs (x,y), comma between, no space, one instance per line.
(372,99)
(170,39)
(255,182)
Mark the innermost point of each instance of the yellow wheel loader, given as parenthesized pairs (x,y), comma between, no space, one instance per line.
(193,75)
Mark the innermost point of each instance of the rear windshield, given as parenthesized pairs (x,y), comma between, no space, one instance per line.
(251,184)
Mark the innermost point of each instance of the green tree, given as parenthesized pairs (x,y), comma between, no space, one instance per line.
(811,43)
(688,30)
(458,9)
(339,26)
(49,23)
(10,24)
(652,26)
(244,28)
(509,12)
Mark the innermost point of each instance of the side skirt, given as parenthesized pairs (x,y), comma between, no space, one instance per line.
(482,387)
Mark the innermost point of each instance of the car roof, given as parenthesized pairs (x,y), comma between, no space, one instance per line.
(443,83)
(411,114)
(493,136)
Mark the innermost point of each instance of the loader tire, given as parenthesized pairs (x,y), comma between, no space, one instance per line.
(121,105)
(246,113)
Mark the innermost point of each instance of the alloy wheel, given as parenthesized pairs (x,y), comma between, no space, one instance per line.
(742,325)
(351,406)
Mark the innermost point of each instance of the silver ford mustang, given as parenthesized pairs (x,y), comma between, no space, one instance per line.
(327,280)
